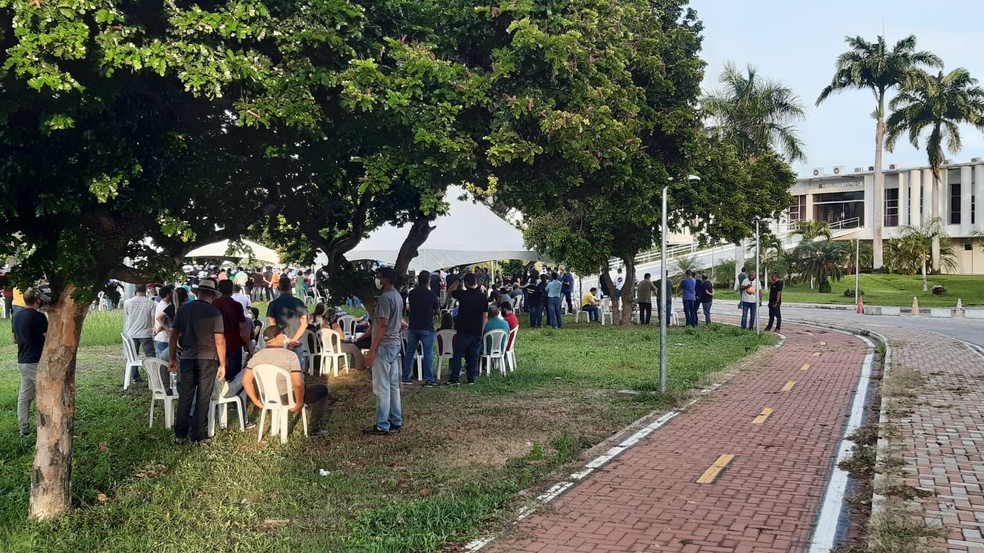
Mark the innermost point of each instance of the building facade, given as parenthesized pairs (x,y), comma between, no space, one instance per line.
(843,199)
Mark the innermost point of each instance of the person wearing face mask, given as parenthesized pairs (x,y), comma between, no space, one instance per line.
(473,313)
(383,355)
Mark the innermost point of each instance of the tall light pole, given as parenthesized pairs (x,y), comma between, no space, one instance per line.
(758,288)
(857,268)
(662,292)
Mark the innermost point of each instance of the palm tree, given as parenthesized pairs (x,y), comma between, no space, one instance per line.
(914,247)
(940,104)
(871,66)
(756,115)
(811,230)
(821,260)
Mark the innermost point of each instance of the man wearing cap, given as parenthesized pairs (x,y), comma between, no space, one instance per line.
(384,351)
(314,397)
(30,328)
(290,313)
(198,329)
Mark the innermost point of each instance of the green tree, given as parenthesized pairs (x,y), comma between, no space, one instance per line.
(756,115)
(940,104)
(811,230)
(820,260)
(872,66)
(913,249)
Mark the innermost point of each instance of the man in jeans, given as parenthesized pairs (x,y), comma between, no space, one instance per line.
(473,312)
(198,328)
(554,293)
(383,354)
(291,313)
(749,301)
(424,306)
(138,323)
(237,338)
(30,328)
(775,303)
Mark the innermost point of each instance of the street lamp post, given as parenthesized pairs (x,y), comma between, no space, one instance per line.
(662,292)
(758,297)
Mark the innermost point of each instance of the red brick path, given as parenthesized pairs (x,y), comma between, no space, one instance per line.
(766,500)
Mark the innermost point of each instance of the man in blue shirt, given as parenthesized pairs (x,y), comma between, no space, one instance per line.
(567,281)
(688,288)
(554,292)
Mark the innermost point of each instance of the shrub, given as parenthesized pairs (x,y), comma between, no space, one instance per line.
(939,290)
(849,293)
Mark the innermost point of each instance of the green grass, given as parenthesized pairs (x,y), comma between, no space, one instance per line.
(897,290)
(454,472)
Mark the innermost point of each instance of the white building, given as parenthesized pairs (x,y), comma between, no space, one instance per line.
(842,199)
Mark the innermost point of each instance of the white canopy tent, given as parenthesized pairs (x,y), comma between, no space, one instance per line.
(220,250)
(468,233)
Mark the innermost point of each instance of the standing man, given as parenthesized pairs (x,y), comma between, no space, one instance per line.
(236,332)
(30,328)
(749,301)
(706,298)
(644,293)
(554,292)
(567,287)
(424,306)
(619,283)
(383,354)
(290,313)
(742,277)
(775,303)
(138,323)
(534,301)
(688,289)
(198,328)
(268,277)
(473,312)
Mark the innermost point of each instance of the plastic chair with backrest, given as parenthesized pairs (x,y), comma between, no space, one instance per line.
(348,324)
(445,347)
(332,355)
(270,379)
(132,360)
(312,353)
(159,391)
(494,351)
(219,401)
(606,311)
(511,349)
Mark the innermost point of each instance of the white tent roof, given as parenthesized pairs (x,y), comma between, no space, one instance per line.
(220,250)
(469,233)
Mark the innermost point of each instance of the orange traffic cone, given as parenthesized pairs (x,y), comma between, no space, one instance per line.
(861,305)
(915,305)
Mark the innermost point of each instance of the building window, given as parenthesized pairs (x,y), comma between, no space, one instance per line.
(840,209)
(973,209)
(955,203)
(797,211)
(891,207)
(968,246)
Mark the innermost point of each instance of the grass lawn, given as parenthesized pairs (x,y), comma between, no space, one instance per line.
(454,471)
(895,290)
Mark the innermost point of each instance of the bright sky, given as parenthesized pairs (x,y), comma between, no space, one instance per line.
(797,43)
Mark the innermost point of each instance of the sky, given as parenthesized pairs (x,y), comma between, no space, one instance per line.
(797,43)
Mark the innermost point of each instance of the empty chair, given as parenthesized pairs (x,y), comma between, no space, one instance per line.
(270,380)
(511,349)
(219,401)
(494,351)
(348,324)
(159,391)
(606,311)
(445,348)
(312,353)
(132,360)
(332,356)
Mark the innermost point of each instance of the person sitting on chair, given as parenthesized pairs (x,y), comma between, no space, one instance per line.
(495,322)
(590,305)
(313,396)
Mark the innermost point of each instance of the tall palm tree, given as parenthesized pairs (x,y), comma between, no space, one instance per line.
(940,104)
(811,230)
(756,115)
(872,66)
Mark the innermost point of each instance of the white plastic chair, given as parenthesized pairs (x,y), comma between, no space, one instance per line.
(578,313)
(331,352)
(269,380)
(606,311)
(311,350)
(494,351)
(445,347)
(418,355)
(132,360)
(103,304)
(158,391)
(348,324)
(510,354)
(220,402)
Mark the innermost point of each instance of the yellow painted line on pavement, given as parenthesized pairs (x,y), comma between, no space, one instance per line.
(789,386)
(805,366)
(713,471)
(822,343)
(816,354)
(761,418)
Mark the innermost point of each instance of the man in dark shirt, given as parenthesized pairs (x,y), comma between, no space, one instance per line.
(424,305)
(567,287)
(473,311)
(237,337)
(198,329)
(534,299)
(291,313)
(30,328)
(706,298)
(775,303)
(435,284)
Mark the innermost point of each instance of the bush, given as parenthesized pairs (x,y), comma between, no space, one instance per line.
(938,290)
(825,286)
(849,293)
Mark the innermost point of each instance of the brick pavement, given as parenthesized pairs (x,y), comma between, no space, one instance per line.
(942,438)
(766,500)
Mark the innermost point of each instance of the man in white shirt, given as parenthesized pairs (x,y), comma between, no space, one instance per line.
(243,299)
(138,323)
(749,301)
(162,321)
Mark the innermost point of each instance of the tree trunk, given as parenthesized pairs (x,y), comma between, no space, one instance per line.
(610,285)
(628,301)
(419,231)
(51,475)
(876,223)
(935,196)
